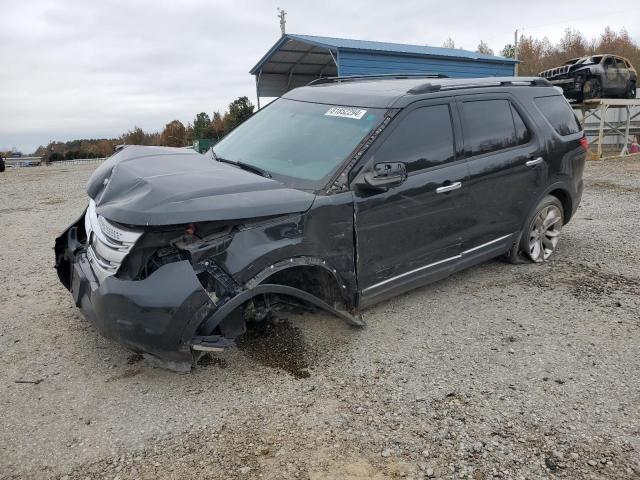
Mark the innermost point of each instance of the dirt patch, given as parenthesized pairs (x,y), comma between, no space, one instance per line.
(53,201)
(612,186)
(209,360)
(134,358)
(450,439)
(583,281)
(130,373)
(277,344)
(13,210)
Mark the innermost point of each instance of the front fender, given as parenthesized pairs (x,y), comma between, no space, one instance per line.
(225,310)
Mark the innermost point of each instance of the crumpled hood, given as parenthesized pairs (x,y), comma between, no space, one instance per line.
(167,186)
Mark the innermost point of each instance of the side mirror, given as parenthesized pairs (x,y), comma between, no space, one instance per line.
(383,176)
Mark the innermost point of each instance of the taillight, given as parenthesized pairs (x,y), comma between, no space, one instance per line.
(584,143)
(190,230)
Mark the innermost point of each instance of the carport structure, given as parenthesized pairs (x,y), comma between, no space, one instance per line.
(295,60)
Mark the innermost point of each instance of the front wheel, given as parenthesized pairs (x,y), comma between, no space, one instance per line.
(540,238)
(592,89)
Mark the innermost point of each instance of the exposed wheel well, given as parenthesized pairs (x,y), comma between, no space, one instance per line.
(313,279)
(565,199)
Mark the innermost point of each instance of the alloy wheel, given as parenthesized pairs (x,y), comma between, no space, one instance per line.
(544,233)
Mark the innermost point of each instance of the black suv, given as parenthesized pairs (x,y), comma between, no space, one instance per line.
(337,195)
(596,76)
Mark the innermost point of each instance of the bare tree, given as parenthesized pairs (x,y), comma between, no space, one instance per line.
(449,43)
(173,134)
(484,48)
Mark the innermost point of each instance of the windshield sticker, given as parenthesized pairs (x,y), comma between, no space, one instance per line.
(346,112)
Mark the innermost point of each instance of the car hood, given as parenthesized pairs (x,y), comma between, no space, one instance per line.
(167,186)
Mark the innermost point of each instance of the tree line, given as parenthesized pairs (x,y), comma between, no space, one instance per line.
(538,55)
(535,55)
(174,134)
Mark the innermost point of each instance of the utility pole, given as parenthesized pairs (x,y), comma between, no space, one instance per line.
(281,15)
(515,51)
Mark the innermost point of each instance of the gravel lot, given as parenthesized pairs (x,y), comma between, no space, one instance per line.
(500,371)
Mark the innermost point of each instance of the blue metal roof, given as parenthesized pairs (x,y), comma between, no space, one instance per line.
(332,43)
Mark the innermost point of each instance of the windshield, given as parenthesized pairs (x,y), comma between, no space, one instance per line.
(299,143)
(582,60)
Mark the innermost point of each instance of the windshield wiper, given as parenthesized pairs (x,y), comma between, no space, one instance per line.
(242,165)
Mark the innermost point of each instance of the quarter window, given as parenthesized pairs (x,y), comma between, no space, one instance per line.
(522,133)
(423,139)
(559,114)
(492,125)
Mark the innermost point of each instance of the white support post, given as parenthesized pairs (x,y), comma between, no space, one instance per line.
(625,148)
(603,113)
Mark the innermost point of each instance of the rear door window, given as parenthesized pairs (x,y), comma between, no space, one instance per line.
(492,125)
(559,114)
(423,139)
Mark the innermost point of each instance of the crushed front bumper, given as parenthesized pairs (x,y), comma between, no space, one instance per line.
(571,87)
(159,315)
(169,314)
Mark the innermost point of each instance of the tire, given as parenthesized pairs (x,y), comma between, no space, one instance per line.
(631,90)
(540,237)
(591,89)
(1,165)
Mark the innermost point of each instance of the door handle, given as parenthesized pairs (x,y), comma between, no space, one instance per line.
(535,161)
(448,188)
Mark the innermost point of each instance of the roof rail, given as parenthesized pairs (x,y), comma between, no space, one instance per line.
(482,82)
(384,76)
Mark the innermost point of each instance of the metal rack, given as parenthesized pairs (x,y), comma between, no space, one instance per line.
(598,118)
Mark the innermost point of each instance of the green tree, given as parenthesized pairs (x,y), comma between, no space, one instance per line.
(508,51)
(201,125)
(239,110)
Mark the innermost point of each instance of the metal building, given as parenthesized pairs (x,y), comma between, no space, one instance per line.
(295,60)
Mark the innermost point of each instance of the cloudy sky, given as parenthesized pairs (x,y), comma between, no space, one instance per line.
(88,69)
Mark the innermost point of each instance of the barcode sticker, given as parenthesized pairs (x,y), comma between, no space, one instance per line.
(346,112)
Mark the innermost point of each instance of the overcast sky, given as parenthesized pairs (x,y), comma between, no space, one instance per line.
(88,69)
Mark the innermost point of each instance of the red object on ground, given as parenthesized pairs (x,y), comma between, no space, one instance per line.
(584,143)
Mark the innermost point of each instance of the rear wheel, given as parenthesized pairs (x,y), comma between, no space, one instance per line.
(592,89)
(631,90)
(540,238)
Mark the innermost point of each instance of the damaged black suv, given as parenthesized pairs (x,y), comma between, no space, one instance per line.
(594,76)
(337,195)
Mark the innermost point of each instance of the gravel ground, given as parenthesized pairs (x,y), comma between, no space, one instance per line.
(500,371)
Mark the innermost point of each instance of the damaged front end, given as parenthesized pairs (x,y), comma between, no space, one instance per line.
(174,292)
